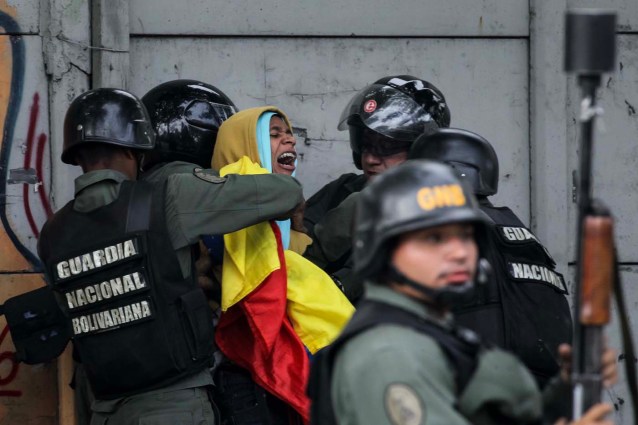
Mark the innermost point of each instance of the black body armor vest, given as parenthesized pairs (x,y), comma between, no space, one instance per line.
(523,307)
(137,323)
(461,347)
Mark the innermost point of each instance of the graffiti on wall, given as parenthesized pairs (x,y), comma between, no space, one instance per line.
(24,205)
(37,172)
(10,107)
(10,367)
(24,201)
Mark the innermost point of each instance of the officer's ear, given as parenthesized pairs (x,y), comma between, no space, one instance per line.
(129,154)
(127,161)
(140,162)
(483,272)
(385,274)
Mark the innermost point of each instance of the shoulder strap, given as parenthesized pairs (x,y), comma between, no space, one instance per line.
(502,216)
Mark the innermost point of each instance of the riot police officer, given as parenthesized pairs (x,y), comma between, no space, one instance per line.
(402,359)
(524,307)
(119,256)
(377,138)
(383,120)
(186,116)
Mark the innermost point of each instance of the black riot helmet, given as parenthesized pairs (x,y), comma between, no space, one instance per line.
(471,155)
(412,196)
(398,109)
(186,115)
(108,116)
(425,94)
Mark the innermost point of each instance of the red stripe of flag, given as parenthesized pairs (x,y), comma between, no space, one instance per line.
(257,335)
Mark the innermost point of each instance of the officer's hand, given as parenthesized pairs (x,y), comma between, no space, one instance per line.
(298,210)
(609,369)
(204,270)
(565,360)
(594,416)
(296,221)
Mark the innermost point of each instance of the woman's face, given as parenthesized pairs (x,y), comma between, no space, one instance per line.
(282,147)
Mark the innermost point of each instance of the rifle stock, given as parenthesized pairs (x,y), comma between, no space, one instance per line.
(597,265)
(598,270)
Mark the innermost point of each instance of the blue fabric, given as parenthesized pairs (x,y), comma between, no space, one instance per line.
(215,246)
(263,140)
(284,228)
(265,158)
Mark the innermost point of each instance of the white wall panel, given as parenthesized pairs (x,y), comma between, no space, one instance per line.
(615,180)
(550,177)
(331,17)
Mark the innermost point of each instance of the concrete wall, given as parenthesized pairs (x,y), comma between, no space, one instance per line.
(499,63)
(24,162)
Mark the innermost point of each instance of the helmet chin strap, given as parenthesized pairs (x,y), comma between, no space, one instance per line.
(140,163)
(447,296)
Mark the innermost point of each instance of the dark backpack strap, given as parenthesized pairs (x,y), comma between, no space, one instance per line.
(138,216)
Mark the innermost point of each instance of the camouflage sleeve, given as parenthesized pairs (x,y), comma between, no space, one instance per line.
(202,203)
(329,197)
(332,247)
(333,233)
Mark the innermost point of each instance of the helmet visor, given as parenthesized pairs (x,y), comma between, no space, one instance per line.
(364,140)
(387,111)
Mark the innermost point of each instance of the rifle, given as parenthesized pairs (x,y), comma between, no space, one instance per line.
(590,51)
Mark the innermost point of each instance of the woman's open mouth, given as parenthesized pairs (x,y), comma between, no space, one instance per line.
(287,161)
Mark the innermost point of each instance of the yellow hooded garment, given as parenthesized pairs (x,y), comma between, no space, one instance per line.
(317,309)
